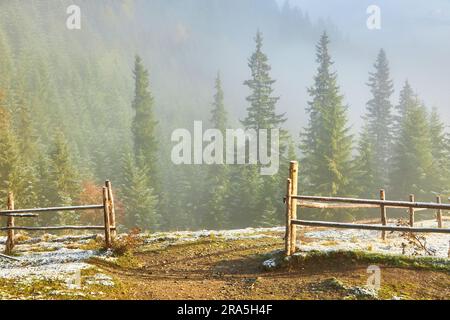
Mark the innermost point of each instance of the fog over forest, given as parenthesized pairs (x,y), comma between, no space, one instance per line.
(70,101)
(413,34)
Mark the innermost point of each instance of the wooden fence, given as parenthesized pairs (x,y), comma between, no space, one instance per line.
(107,206)
(293,201)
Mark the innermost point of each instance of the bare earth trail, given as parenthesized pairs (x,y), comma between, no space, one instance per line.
(218,269)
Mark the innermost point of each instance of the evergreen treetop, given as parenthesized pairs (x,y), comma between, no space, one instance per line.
(261,113)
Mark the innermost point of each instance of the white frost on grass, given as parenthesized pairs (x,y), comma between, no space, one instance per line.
(191,236)
(99,279)
(54,265)
(49,257)
(366,240)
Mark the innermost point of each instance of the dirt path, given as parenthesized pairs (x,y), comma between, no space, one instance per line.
(213,269)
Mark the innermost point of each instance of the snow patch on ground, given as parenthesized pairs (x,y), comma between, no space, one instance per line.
(50,257)
(192,236)
(349,240)
(99,279)
(270,264)
(53,265)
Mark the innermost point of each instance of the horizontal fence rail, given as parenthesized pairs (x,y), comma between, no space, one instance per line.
(53,209)
(293,200)
(367,227)
(20,215)
(56,228)
(377,203)
(11,213)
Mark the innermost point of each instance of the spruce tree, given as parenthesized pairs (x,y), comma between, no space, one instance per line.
(29,149)
(144,123)
(64,187)
(261,114)
(219,116)
(407,100)
(138,198)
(439,173)
(326,142)
(244,208)
(379,118)
(413,156)
(217,180)
(44,180)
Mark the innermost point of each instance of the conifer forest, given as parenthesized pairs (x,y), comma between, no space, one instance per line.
(360,110)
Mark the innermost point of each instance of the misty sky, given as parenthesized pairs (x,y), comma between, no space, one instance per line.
(414,33)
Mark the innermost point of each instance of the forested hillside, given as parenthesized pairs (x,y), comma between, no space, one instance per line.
(81,106)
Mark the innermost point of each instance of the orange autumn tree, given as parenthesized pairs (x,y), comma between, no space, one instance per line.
(92,194)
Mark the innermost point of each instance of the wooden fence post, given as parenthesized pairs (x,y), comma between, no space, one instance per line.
(439,213)
(294,192)
(412,198)
(112,210)
(383,213)
(287,238)
(106,217)
(10,223)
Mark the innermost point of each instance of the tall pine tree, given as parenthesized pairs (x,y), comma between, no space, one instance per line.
(144,123)
(413,156)
(379,118)
(217,180)
(439,174)
(261,114)
(326,143)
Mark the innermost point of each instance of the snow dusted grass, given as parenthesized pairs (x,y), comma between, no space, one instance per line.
(179,237)
(325,240)
(328,240)
(55,267)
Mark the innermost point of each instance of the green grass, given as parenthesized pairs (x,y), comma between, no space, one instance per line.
(431,263)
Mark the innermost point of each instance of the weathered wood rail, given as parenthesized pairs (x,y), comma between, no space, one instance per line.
(293,200)
(107,206)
